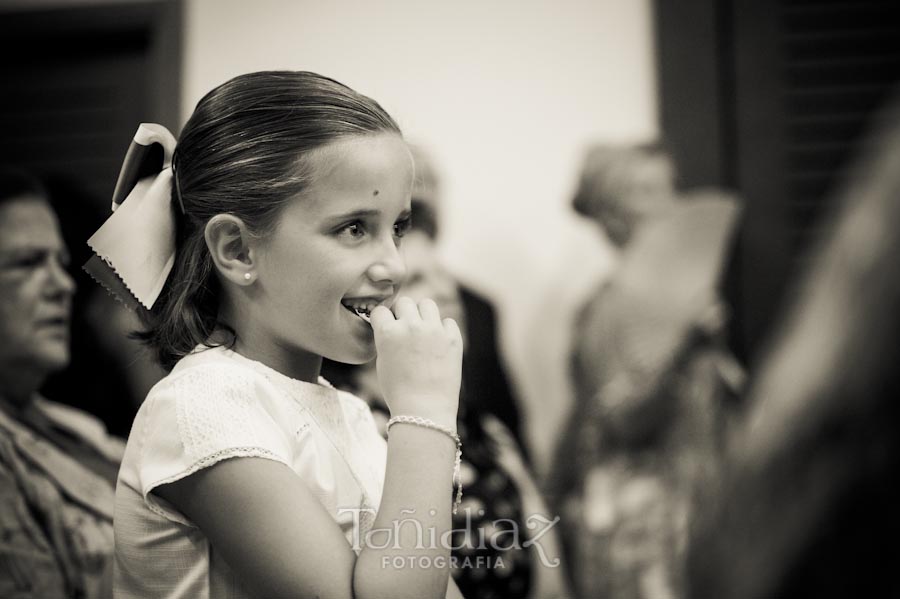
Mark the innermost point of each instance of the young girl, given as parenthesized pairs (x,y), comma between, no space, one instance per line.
(503,546)
(245,473)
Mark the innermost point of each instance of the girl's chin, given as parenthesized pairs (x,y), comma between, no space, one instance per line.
(362,351)
(356,344)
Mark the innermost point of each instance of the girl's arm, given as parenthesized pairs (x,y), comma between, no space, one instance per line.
(419,367)
(281,542)
(273,533)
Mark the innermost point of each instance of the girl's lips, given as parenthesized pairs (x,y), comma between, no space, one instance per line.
(363,306)
(359,314)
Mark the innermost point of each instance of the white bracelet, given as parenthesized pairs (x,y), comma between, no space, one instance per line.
(419,421)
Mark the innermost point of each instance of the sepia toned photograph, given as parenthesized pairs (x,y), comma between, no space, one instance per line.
(584,299)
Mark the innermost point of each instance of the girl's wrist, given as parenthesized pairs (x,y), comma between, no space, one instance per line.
(409,419)
(424,408)
(418,421)
(445,421)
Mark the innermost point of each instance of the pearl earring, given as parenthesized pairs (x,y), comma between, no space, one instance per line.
(247,276)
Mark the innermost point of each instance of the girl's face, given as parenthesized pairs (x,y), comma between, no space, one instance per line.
(334,247)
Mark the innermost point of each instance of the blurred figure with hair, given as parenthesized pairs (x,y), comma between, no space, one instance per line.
(807,505)
(57,464)
(653,378)
(622,185)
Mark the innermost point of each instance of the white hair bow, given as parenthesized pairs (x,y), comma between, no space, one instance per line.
(134,250)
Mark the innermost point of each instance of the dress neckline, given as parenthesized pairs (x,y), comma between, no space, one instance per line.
(270,373)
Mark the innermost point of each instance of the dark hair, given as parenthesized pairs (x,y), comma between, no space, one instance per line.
(245,151)
(17,182)
(424,218)
(425,193)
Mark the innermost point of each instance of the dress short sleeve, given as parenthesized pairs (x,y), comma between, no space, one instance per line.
(201,416)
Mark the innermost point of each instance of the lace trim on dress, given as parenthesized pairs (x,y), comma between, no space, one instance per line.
(210,460)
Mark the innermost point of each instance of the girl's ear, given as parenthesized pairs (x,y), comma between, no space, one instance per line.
(228,240)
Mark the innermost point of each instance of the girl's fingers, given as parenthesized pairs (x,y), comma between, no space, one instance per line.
(452,330)
(429,310)
(380,316)
(405,308)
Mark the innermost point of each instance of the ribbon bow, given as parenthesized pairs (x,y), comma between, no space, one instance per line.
(134,250)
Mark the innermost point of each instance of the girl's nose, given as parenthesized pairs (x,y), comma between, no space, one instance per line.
(390,266)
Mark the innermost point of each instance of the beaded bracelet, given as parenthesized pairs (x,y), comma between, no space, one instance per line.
(419,421)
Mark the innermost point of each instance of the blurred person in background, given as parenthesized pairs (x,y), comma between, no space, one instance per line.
(502,506)
(653,377)
(807,503)
(622,185)
(58,466)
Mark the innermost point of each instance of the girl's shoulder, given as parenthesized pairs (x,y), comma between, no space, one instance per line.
(209,408)
(221,375)
(202,371)
(214,384)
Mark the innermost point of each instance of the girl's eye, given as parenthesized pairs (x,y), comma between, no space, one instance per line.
(354,230)
(402,227)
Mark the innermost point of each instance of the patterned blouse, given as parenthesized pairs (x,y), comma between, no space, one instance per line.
(57,474)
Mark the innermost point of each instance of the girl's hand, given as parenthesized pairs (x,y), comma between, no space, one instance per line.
(419,360)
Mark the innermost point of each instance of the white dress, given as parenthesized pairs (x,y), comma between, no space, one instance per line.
(215,405)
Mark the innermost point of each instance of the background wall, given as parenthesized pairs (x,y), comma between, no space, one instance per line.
(505,95)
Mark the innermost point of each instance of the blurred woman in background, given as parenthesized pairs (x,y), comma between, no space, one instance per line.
(653,378)
(57,465)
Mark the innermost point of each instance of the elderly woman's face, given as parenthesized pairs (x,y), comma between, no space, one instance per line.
(35,289)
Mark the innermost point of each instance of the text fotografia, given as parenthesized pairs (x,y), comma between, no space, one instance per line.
(423,562)
(506,537)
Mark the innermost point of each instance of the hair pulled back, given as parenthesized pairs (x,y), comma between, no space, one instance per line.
(244,151)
